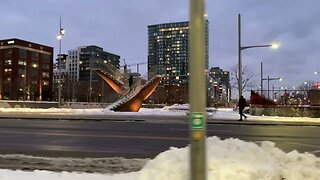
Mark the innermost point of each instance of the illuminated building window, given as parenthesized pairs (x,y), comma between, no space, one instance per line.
(45,83)
(7,71)
(34,65)
(45,74)
(7,62)
(22,62)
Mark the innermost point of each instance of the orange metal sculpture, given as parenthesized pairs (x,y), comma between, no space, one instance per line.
(134,103)
(116,86)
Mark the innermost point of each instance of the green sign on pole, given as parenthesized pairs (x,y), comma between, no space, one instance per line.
(197,119)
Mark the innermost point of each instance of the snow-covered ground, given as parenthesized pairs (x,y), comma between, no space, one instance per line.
(226,159)
(175,110)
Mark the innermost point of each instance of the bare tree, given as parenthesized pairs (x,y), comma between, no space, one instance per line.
(247,79)
(305,86)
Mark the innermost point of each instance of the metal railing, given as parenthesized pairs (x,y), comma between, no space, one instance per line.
(108,68)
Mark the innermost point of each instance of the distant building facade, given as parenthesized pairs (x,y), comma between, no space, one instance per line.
(168,51)
(168,55)
(89,54)
(77,84)
(73,64)
(219,89)
(25,70)
(60,74)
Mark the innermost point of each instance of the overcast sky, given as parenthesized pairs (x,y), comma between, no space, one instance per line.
(120,27)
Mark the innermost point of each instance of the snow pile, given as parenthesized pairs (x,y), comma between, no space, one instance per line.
(227,159)
(236,159)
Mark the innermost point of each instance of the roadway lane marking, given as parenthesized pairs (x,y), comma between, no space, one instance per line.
(294,143)
(304,144)
(315,152)
(100,136)
(182,129)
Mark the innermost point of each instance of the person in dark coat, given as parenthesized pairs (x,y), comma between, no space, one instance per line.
(130,81)
(242,104)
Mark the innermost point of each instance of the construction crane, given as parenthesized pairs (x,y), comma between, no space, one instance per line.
(125,66)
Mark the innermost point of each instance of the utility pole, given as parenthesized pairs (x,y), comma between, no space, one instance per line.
(197,89)
(261,80)
(90,78)
(239,57)
(59,37)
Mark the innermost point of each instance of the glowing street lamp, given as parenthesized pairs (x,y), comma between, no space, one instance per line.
(275,45)
(59,37)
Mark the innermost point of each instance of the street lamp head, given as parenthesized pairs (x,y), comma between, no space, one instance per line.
(315,72)
(59,37)
(280,79)
(275,45)
(62,31)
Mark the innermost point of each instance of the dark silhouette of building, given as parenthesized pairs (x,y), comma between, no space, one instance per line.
(92,53)
(25,70)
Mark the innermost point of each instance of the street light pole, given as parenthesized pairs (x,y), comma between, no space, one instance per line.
(59,37)
(90,80)
(197,89)
(268,85)
(240,48)
(239,57)
(59,71)
(261,80)
(271,79)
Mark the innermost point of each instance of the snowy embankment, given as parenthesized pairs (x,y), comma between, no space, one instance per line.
(226,159)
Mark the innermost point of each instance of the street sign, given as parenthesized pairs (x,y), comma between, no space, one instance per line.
(197,119)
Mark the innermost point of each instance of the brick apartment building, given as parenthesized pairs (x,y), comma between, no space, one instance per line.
(25,70)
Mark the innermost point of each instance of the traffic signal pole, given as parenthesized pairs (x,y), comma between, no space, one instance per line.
(197,89)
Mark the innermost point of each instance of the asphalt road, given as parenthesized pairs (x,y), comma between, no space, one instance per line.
(73,138)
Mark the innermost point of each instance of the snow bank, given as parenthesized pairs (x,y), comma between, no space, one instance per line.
(236,159)
(227,159)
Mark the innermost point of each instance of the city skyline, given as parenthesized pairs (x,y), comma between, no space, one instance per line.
(121,28)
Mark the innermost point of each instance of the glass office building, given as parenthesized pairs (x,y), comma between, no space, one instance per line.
(168,51)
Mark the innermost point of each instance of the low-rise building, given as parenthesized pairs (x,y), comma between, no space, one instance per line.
(25,70)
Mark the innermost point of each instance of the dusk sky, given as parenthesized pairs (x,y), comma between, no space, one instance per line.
(120,27)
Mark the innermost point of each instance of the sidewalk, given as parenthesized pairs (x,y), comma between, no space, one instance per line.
(221,116)
(228,116)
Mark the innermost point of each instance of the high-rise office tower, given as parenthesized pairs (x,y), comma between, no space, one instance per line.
(168,51)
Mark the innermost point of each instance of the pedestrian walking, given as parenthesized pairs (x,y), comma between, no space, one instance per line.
(242,104)
(130,81)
